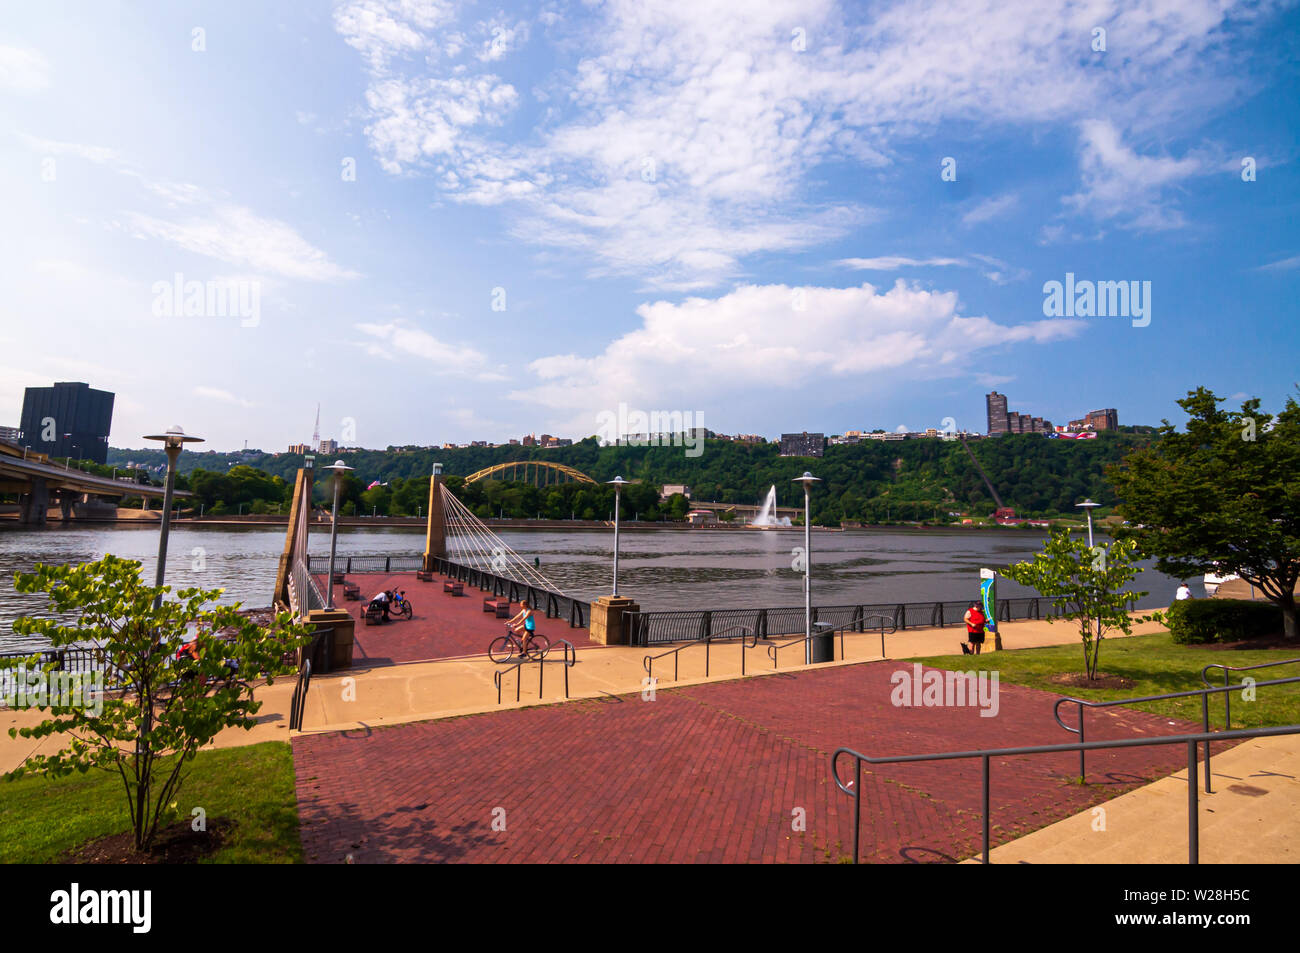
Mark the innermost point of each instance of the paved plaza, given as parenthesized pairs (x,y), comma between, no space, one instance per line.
(722,772)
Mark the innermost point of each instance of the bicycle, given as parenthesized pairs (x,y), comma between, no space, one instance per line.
(401,605)
(508,646)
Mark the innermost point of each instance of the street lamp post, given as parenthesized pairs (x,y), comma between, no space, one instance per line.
(1088,506)
(339,468)
(173,440)
(807,480)
(617,483)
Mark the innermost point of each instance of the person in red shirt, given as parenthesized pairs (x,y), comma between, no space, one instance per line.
(975,621)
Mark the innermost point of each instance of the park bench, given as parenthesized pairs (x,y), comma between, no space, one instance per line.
(500,606)
(351,590)
(374,614)
(340,577)
(423,576)
(455,588)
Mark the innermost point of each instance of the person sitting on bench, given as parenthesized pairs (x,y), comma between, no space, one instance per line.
(381,600)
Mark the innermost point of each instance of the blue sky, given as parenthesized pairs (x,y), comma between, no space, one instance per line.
(735,211)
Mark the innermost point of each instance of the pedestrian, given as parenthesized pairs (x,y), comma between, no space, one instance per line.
(975,622)
(1184,592)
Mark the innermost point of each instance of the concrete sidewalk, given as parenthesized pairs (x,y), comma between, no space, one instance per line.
(441,688)
(1251,818)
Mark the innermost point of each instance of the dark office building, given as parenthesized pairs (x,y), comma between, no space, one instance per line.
(803,444)
(75,419)
(996,405)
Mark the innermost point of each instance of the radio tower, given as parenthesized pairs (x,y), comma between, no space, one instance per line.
(315,434)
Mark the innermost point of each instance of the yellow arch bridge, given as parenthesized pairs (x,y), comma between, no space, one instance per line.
(536,472)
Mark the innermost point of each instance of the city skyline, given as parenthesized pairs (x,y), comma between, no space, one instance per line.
(461,216)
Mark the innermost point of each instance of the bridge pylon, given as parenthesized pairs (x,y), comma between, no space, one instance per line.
(435,530)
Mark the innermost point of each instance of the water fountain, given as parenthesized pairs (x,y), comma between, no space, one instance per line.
(766,517)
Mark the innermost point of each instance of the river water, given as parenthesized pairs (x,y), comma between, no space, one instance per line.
(661,569)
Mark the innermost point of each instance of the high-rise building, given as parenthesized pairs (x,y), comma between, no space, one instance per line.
(329,446)
(69,419)
(10,434)
(803,444)
(996,406)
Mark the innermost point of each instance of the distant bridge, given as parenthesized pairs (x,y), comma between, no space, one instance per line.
(39,482)
(536,472)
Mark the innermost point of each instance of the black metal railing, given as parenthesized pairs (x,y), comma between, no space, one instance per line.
(655,627)
(298,704)
(854,788)
(1227,696)
(883,623)
(1204,694)
(570,659)
(76,660)
(648,662)
(345,564)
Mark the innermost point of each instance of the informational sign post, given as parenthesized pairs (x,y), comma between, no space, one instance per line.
(989,596)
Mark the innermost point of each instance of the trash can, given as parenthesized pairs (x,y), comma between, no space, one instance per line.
(823,642)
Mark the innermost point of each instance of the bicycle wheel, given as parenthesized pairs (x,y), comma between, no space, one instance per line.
(502,649)
(538,646)
(407,611)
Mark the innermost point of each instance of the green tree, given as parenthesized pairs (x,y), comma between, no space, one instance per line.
(1223,496)
(1086,585)
(167,707)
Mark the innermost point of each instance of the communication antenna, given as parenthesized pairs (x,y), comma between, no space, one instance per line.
(315,434)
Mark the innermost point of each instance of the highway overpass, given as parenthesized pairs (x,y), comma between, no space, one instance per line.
(39,483)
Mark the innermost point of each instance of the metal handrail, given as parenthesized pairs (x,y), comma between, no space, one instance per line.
(298,704)
(1227,696)
(857,625)
(648,662)
(854,788)
(570,659)
(1205,713)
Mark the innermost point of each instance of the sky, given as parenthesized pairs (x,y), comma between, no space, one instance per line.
(446,221)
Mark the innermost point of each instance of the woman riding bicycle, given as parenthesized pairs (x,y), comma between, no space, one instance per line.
(524,621)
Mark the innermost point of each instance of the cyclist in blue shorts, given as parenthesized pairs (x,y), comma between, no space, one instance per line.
(526,622)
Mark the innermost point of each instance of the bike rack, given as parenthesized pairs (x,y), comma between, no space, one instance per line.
(648,662)
(1204,693)
(1227,696)
(570,659)
(854,788)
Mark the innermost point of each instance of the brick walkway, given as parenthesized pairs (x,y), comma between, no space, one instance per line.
(458,627)
(709,773)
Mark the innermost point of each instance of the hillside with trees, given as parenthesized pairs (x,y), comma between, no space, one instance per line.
(872,481)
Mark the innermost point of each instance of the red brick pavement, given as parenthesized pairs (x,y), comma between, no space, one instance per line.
(442,626)
(707,773)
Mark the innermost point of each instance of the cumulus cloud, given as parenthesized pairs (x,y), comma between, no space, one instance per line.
(398,340)
(764,338)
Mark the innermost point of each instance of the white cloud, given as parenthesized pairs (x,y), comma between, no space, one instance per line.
(991,208)
(1285,264)
(697,131)
(222,396)
(1118,183)
(397,340)
(705,350)
(240,237)
(895,262)
(23,71)
(52,147)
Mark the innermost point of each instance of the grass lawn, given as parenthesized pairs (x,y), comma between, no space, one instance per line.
(41,818)
(1157,665)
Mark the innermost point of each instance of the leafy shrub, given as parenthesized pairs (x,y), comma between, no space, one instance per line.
(1201,621)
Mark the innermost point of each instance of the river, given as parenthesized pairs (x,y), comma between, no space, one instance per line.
(661,569)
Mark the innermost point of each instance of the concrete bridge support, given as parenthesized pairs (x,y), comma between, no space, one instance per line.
(34,503)
(435,533)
